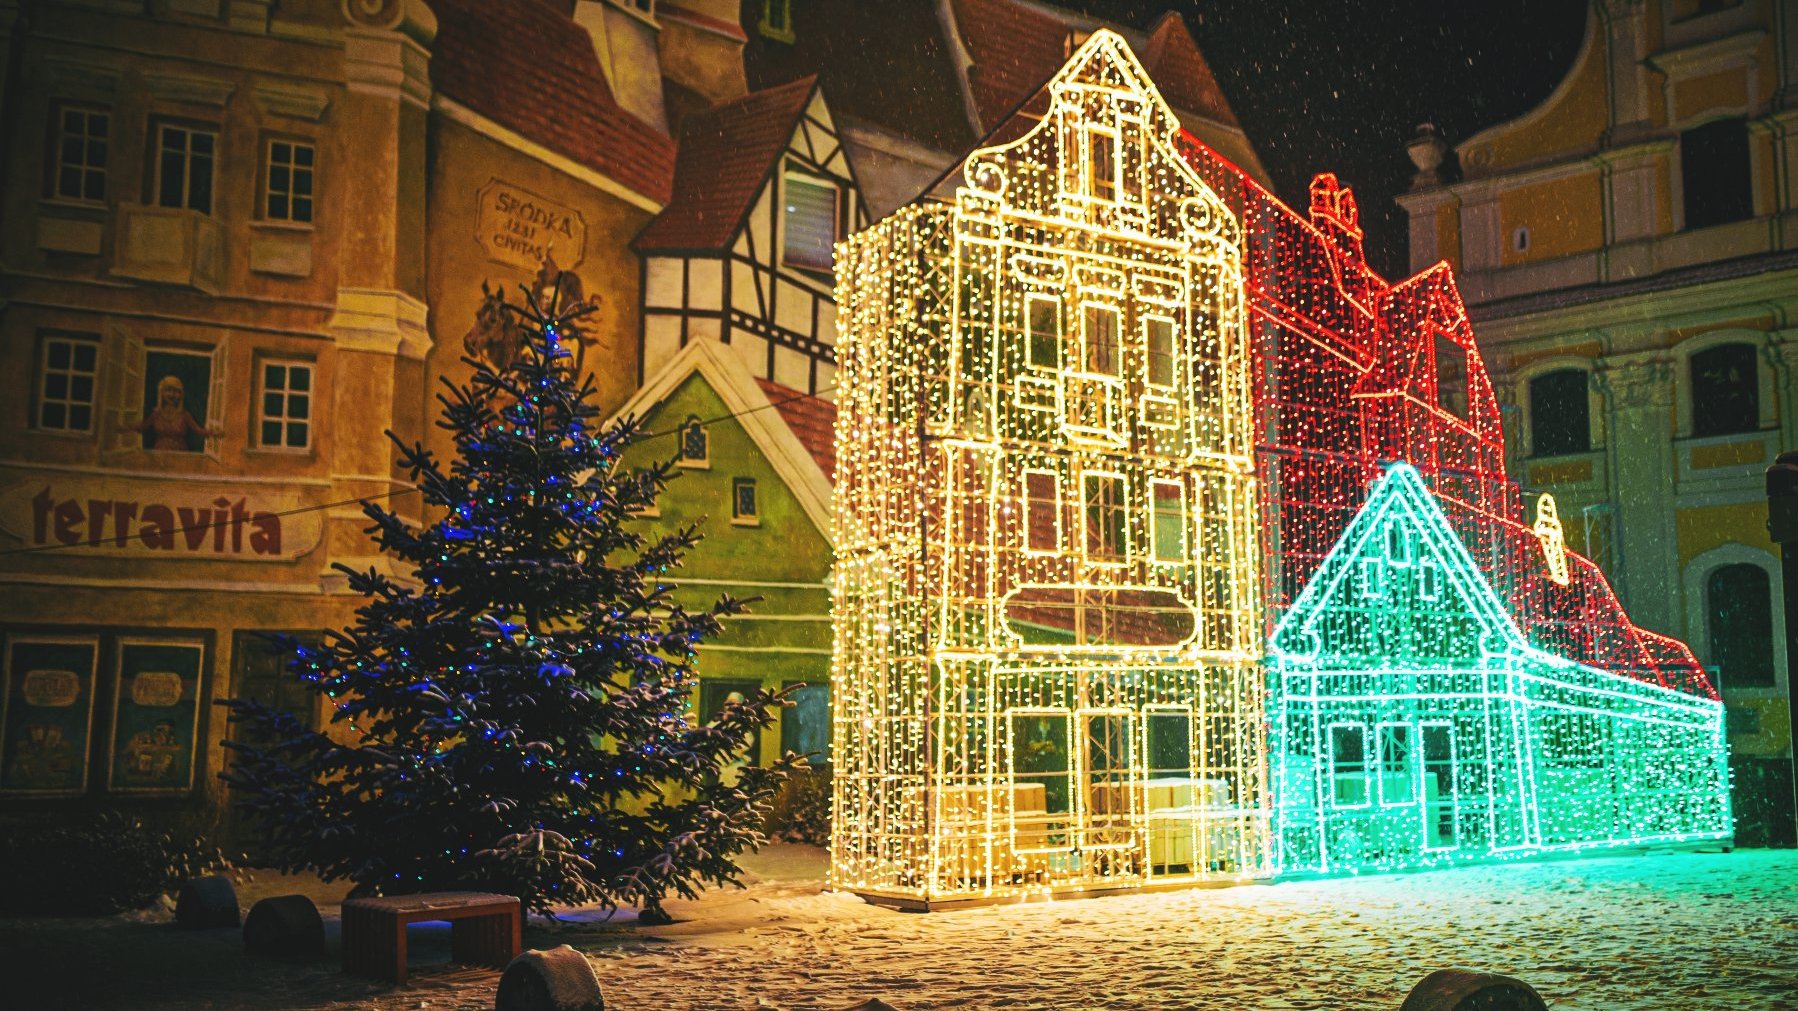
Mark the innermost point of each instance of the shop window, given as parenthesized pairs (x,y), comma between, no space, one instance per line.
(1451,377)
(1158,337)
(1725,390)
(1560,419)
(285,412)
(695,443)
(1106,519)
(1043,330)
(1739,604)
(1348,765)
(1169,504)
(744,509)
(1715,174)
(68,367)
(184,166)
(80,147)
(1042,511)
(287,181)
(47,735)
(809,224)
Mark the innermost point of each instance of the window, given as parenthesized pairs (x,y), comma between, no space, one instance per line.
(65,388)
(1520,239)
(1451,377)
(1725,390)
(1042,511)
(1559,413)
(287,182)
(82,135)
(777,20)
(177,400)
(1715,175)
(1043,329)
(695,444)
(1105,517)
(1740,605)
(1169,504)
(1169,735)
(1102,164)
(1099,331)
(809,224)
(1397,784)
(1348,765)
(1158,335)
(285,421)
(744,509)
(184,157)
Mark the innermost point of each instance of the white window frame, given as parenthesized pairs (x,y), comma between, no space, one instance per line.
(286,392)
(44,371)
(82,167)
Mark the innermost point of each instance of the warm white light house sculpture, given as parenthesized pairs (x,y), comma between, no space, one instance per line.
(1046,617)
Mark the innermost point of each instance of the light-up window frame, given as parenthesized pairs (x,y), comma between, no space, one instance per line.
(1175,553)
(1030,503)
(1091,511)
(1091,311)
(1334,776)
(1033,301)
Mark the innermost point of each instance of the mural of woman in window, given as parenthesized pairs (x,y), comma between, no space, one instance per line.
(168,426)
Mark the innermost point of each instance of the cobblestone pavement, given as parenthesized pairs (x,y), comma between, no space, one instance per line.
(1662,932)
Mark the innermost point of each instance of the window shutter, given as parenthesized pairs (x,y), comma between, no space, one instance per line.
(123,392)
(215,397)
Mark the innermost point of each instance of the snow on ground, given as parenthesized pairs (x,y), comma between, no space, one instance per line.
(1661,932)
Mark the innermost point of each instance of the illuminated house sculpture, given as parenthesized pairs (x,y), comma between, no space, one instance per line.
(1047,623)
(1413,723)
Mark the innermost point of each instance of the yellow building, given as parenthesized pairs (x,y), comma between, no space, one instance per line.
(1046,608)
(241,239)
(1628,251)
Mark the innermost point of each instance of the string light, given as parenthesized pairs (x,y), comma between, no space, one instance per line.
(1105,420)
(1046,614)
(1414,724)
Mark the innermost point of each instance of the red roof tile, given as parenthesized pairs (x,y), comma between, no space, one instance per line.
(1172,58)
(812,419)
(725,156)
(531,69)
(1015,50)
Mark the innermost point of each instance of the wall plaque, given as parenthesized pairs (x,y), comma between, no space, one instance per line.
(518,227)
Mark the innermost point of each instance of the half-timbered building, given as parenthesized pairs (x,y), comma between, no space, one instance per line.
(742,253)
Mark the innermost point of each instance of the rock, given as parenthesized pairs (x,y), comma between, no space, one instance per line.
(207,902)
(1460,990)
(872,1004)
(286,926)
(556,979)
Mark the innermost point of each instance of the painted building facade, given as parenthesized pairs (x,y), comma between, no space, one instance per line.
(242,240)
(1626,250)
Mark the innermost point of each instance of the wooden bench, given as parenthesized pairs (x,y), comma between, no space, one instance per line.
(484,930)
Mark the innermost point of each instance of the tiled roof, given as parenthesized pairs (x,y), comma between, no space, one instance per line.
(1015,49)
(529,68)
(812,419)
(1172,58)
(725,155)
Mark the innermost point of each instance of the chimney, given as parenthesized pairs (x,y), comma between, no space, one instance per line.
(1335,213)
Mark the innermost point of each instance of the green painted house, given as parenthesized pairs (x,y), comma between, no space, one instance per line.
(1413,723)
(753,471)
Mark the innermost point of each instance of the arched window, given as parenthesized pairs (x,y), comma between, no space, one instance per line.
(1560,421)
(1726,395)
(695,446)
(1739,605)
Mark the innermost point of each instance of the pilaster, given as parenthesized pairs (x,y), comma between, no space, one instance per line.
(1626,47)
(1782,355)
(1638,392)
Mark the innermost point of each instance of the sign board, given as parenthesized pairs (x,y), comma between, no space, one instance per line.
(163,519)
(48,703)
(521,228)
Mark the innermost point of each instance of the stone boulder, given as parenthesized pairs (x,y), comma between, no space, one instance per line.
(207,902)
(554,979)
(1460,990)
(286,926)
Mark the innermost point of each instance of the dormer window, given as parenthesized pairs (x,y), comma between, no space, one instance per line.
(809,212)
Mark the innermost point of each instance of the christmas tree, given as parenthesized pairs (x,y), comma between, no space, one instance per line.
(516,717)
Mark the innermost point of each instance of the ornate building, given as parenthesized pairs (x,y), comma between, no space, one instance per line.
(1629,251)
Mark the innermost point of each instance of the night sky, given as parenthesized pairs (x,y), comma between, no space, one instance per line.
(1326,85)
